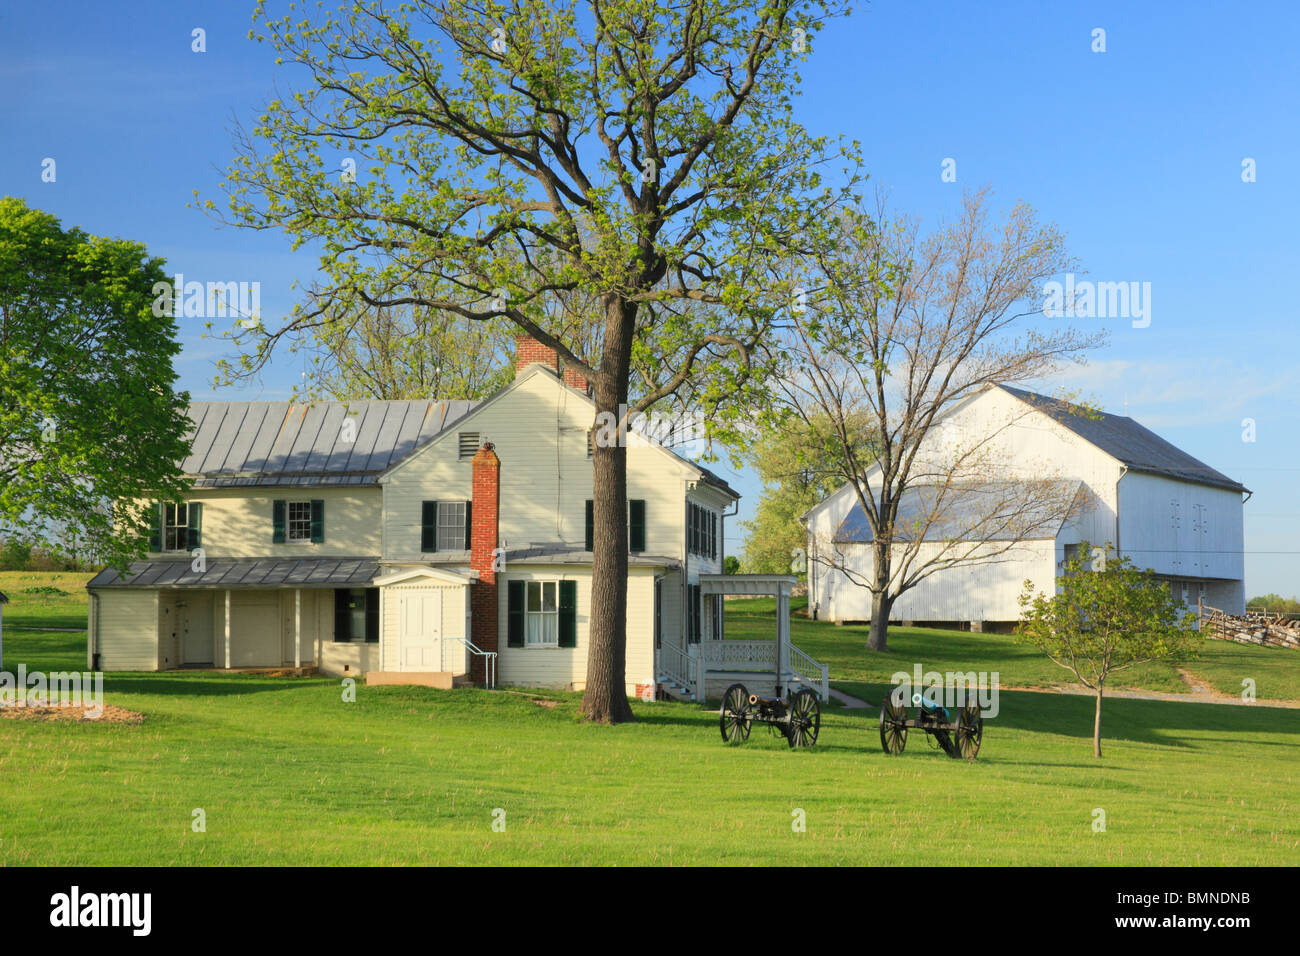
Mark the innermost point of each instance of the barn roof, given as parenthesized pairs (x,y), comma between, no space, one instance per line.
(1130,443)
(986,511)
(284,443)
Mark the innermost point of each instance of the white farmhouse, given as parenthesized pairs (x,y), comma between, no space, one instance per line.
(431,542)
(1157,505)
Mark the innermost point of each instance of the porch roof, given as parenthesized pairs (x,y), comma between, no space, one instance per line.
(747,583)
(243,573)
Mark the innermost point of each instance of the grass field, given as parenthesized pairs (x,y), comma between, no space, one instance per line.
(288,773)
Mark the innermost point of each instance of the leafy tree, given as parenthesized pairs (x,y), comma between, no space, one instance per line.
(900,327)
(797,471)
(637,155)
(88,411)
(1104,619)
(731,564)
(1273,603)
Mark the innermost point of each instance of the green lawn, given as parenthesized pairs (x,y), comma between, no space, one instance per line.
(288,773)
(30,603)
(1222,664)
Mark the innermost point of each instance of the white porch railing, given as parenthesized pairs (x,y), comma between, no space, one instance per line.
(758,656)
(489,658)
(679,666)
(811,672)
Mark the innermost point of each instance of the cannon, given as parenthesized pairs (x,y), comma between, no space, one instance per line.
(797,718)
(959,738)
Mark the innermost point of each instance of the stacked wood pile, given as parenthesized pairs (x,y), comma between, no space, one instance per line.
(1274,630)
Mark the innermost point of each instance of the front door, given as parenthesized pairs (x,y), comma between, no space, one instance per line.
(195,622)
(419,630)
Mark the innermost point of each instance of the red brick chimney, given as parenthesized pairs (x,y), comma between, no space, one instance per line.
(486,495)
(529,351)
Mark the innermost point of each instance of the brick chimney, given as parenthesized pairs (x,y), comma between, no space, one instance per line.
(485,494)
(529,351)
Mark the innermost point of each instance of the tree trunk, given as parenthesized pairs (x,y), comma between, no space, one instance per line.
(605,698)
(1096,725)
(881,602)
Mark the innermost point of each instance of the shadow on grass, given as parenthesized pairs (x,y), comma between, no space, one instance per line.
(1168,723)
(204,685)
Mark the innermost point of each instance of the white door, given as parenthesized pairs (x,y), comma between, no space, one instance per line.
(419,630)
(195,620)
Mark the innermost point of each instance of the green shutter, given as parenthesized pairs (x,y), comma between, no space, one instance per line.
(515,615)
(429,526)
(372,615)
(469,524)
(194,533)
(636,525)
(317,521)
(591,525)
(568,613)
(277,521)
(342,613)
(155,526)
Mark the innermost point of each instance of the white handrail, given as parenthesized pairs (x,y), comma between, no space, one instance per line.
(679,665)
(810,670)
(489,659)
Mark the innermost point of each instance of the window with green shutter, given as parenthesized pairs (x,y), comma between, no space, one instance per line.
(636,525)
(515,614)
(372,615)
(317,521)
(278,521)
(194,529)
(469,525)
(429,526)
(155,527)
(591,525)
(568,614)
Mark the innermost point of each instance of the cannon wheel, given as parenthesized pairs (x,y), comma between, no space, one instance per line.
(735,719)
(805,719)
(893,730)
(970,731)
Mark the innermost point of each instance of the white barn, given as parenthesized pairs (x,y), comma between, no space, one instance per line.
(1154,503)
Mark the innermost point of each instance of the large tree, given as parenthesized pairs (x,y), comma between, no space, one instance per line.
(485,158)
(900,327)
(88,411)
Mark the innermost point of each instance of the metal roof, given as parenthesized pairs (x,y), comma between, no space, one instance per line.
(1124,439)
(243,573)
(986,511)
(283,443)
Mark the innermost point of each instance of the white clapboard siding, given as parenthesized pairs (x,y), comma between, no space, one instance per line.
(539,430)
(566,667)
(237,522)
(453,622)
(128,630)
(1180,528)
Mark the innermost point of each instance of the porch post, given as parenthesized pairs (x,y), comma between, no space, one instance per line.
(297,629)
(227,629)
(782,632)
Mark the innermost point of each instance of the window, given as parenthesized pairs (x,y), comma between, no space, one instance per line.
(451,525)
(176,527)
(693,614)
(542,614)
(591,442)
(356,615)
(543,623)
(636,525)
(300,521)
(467,444)
(701,531)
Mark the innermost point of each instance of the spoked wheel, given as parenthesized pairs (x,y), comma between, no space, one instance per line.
(970,731)
(893,724)
(735,719)
(805,719)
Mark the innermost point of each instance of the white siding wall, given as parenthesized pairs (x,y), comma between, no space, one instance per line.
(566,667)
(1177,528)
(540,433)
(976,592)
(128,630)
(237,522)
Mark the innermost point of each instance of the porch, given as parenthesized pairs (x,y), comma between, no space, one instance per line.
(703,670)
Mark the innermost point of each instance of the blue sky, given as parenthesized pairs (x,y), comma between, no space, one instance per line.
(1136,153)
